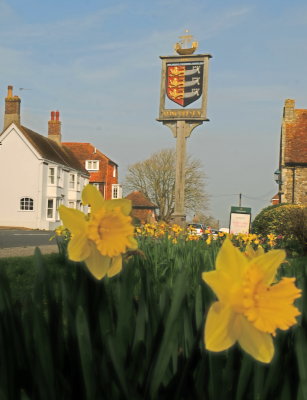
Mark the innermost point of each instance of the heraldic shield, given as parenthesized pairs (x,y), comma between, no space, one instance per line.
(184,83)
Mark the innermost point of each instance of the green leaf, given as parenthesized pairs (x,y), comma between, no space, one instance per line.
(166,349)
(301,354)
(118,366)
(86,355)
(199,312)
(244,377)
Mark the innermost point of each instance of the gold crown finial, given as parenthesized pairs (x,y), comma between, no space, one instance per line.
(186,45)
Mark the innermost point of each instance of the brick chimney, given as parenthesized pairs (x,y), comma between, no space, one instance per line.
(54,127)
(289,114)
(12,108)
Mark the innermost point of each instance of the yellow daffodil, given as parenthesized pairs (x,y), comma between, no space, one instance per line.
(60,230)
(250,252)
(101,238)
(249,308)
(209,239)
(272,239)
(176,228)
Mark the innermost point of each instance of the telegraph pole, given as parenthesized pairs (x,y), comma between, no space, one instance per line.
(184,80)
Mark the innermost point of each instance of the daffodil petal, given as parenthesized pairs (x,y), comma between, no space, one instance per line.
(92,196)
(219,334)
(218,281)
(269,263)
(116,266)
(231,260)
(97,264)
(133,245)
(124,204)
(254,342)
(73,220)
(251,253)
(78,247)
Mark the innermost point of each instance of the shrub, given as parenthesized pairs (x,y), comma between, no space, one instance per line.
(286,220)
(262,224)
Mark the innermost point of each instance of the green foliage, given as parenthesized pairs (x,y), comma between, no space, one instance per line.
(288,221)
(21,273)
(136,336)
(262,224)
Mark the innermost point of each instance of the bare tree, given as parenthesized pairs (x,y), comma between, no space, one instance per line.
(207,220)
(155,177)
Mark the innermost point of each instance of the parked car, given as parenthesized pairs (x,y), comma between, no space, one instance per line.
(196,229)
(210,231)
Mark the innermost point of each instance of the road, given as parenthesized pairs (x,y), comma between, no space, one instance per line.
(21,238)
(21,243)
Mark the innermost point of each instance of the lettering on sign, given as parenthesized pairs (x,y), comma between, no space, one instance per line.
(181,113)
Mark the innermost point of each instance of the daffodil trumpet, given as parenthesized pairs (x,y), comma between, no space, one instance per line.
(102,237)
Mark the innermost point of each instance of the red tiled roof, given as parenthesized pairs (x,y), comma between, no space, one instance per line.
(139,200)
(52,151)
(86,151)
(296,139)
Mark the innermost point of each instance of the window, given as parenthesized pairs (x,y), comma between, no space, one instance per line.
(78,182)
(60,177)
(26,204)
(72,180)
(81,183)
(51,175)
(59,202)
(114,171)
(50,208)
(92,165)
(116,191)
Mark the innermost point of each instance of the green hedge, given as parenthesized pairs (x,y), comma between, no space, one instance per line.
(288,221)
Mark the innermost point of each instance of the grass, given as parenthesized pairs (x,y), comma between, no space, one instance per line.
(64,335)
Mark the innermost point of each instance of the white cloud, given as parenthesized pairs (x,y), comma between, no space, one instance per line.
(223,20)
(61,29)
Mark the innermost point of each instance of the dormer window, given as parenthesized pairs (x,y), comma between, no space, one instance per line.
(92,165)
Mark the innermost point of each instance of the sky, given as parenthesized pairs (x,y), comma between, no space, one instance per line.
(97,62)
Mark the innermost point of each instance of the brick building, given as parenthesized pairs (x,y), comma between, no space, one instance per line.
(37,173)
(293,155)
(103,171)
(143,210)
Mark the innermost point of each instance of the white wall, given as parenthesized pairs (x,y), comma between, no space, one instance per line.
(23,173)
(19,177)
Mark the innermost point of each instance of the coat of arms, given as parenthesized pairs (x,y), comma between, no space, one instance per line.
(184,82)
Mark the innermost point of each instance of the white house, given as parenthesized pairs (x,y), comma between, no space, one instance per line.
(37,173)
